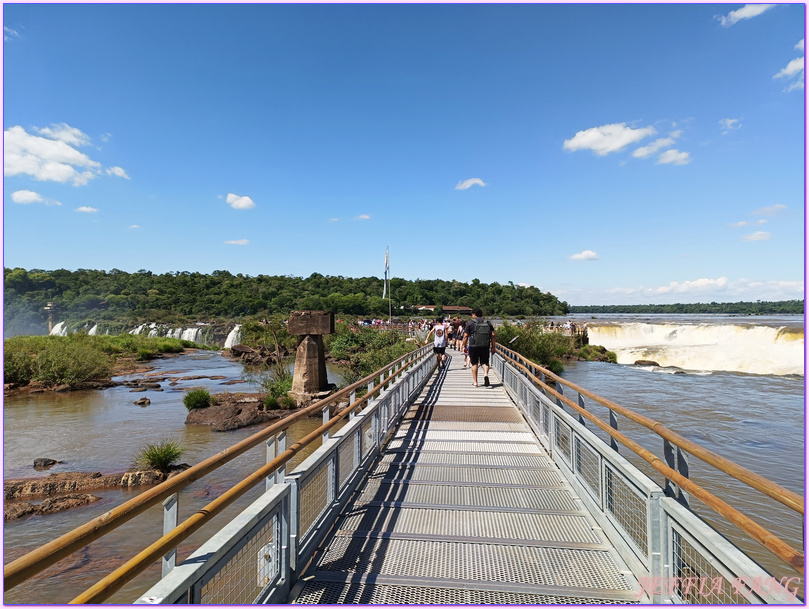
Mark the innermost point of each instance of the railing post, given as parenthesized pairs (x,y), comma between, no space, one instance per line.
(352,397)
(275,446)
(370,389)
(170,522)
(614,425)
(668,455)
(581,405)
(326,434)
(682,468)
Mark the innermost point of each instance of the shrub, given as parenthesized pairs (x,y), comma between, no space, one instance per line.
(287,403)
(197,398)
(159,456)
(144,355)
(271,403)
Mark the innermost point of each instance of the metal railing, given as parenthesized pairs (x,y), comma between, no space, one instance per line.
(406,374)
(676,556)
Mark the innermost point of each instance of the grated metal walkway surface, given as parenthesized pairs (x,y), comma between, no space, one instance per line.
(465,507)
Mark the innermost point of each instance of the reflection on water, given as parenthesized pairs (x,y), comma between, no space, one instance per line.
(102,431)
(753,420)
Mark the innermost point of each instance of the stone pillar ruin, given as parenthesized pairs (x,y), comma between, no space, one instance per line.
(309,382)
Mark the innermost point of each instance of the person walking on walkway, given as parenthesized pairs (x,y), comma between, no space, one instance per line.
(440,341)
(479,335)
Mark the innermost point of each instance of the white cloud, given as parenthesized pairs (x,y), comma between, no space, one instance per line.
(674,157)
(24,197)
(745,223)
(134,226)
(524,285)
(748,11)
(45,159)
(65,133)
(729,124)
(463,185)
(756,236)
(793,68)
(364,217)
(585,255)
(86,210)
(9,34)
(238,242)
(772,210)
(239,202)
(646,151)
(701,290)
(334,219)
(799,46)
(607,138)
(117,171)
(698,285)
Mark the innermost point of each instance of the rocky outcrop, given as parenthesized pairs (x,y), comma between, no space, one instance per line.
(72,482)
(256,357)
(44,463)
(13,511)
(645,362)
(233,411)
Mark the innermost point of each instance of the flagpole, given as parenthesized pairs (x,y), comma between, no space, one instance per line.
(390,313)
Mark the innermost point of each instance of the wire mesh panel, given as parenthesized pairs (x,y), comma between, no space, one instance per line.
(315,495)
(367,436)
(697,581)
(347,458)
(629,509)
(587,464)
(246,571)
(562,438)
(546,420)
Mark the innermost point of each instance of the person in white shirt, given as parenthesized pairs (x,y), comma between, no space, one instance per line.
(439,341)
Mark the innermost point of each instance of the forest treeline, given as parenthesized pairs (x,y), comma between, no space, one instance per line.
(782,307)
(183,297)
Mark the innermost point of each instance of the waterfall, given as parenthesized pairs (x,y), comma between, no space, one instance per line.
(138,330)
(191,334)
(234,336)
(59,329)
(750,348)
(93,331)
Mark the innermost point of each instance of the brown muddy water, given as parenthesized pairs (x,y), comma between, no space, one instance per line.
(755,420)
(103,431)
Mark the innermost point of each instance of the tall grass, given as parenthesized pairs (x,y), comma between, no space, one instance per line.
(160,456)
(76,358)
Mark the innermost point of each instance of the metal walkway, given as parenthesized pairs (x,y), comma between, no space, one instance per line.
(465,507)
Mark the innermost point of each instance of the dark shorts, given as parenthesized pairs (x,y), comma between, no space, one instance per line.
(440,350)
(479,355)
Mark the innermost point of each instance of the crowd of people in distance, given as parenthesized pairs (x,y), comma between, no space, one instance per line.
(475,339)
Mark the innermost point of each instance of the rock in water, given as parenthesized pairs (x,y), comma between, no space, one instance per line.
(44,463)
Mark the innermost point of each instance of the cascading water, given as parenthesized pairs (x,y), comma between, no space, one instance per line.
(93,331)
(59,329)
(750,348)
(234,336)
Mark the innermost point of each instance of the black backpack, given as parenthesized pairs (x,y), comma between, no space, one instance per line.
(483,333)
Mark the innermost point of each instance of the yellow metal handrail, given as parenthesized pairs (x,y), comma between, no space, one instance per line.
(25,567)
(773,543)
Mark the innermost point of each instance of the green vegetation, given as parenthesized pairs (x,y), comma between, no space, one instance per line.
(546,348)
(783,307)
(160,456)
(364,350)
(123,300)
(198,398)
(74,359)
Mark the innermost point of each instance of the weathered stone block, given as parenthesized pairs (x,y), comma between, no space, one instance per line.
(311,322)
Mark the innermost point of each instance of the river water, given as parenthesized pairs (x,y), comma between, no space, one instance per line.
(103,431)
(754,419)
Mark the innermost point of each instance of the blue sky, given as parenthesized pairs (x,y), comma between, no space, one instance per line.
(608,154)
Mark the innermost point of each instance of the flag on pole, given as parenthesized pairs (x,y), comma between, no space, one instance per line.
(387,268)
